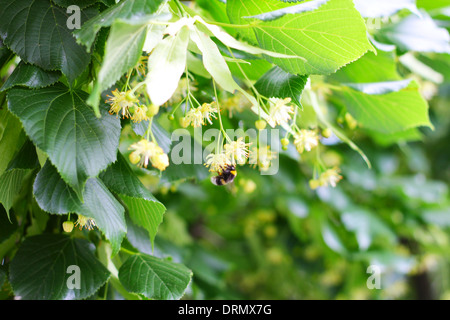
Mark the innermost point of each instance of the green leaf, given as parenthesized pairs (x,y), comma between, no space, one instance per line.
(389,111)
(254,69)
(7,225)
(125,10)
(11,180)
(281,84)
(237,9)
(40,269)
(379,88)
(231,42)
(37,31)
(295,9)
(60,123)
(154,278)
(417,34)
(372,67)
(166,65)
(144,209)
(384,8)
(26,158)
(5,54)
(3,275)
(329,37)
(217,10)
(55,196)
(388,139)
(11,137)
(30,76)
(432,4)
(80,3)
(123,50)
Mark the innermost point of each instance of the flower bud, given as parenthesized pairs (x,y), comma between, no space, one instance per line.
(130,96)
(160,161)
(152,110)
(260,124)
(314,184)
(68,226)
(351,122)
(326,133)
(184,122)
(134,157)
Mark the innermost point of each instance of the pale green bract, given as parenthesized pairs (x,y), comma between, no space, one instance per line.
(166,65)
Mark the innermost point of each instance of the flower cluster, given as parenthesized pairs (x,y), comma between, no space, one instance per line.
(145,151)
(198,117)
(279,111)
(305,140)
(235,152)
(234,104)
(216,162)
(330,177)
(262,157)
(85,222)
(127,105)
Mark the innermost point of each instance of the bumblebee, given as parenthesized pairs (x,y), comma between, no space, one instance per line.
(225,177)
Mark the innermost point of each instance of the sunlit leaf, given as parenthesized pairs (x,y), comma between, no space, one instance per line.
(328,37)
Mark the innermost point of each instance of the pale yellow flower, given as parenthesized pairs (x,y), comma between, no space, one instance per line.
(85,222)
(279,111)
(236,103)
(262,157)
(330,177)
(351,122)
(145,151)
(217,161)
(208,110)
(237,151)
(139,114)
(141,66)
(68,226)
(160,161)
(305,140)
(121,102)
(198,116)
(195,117)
